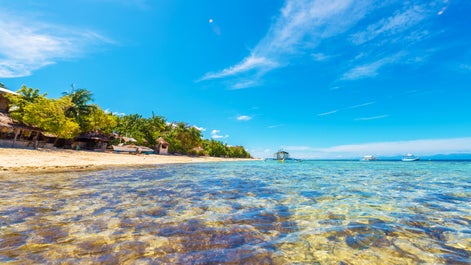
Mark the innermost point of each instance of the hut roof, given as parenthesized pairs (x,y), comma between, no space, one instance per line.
(198,149)
(161,141)
(6,90)
(93,136)
(281,152)
(129,139)
(8,122)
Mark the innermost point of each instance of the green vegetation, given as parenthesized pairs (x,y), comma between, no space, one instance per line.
(73,114)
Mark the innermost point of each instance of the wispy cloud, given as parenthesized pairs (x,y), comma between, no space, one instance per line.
(201,129)
(244,118)
(418,147)
(398,23)
(306,26)
(215,134)
(241,84)
(370,69)
(249,63)
(275,126)
(446,2)
(328,113)
(321,57)
(300,26)
(372,118)
(27,44)
(347,108)
(361,105)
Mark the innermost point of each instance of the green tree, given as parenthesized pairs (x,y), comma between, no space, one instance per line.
(48,115)
(183,138)
(26,95)
(99,120)
(152,128)
(130,126)
(215,148)
(80,108)
(238,152)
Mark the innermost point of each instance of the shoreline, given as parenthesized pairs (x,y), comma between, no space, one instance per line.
(16,160)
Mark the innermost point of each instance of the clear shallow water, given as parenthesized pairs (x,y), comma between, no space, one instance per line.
(311,212)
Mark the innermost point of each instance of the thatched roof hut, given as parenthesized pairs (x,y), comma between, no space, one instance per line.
(14,133)
(91,141)
(162,146)
(4,102)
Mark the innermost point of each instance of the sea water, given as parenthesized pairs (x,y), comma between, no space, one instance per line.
(309,212)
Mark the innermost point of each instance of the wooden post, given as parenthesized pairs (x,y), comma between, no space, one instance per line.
(36,142)
(17,132)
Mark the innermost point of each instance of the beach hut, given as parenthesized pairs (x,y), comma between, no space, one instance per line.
(197,150)
(16,134)
(4,102)
(162,146)
(95,141)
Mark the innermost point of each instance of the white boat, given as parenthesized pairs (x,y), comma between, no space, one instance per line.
(369,158)
(132,149)
(410,158)
(281,155)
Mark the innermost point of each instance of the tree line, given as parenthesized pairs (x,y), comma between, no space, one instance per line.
(74,114)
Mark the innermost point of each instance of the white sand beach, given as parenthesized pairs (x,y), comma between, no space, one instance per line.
(47,160)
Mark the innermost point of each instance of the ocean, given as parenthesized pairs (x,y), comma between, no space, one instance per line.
(260,212)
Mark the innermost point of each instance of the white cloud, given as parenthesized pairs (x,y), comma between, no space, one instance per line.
(244,118)
(361,105)
(347,108)
(215,134)
(201,129)
(301,25)
(309,26)
(249,63)
(320,57)
(327,113)
(240,84)
(398,23)
(27,45)
(418,147)
(371,69)
(372,118)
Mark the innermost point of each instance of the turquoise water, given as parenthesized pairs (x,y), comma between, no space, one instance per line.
(310,212)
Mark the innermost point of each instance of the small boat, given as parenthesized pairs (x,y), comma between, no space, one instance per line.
(410,158)
(132,149)
(281,156)
(369,158)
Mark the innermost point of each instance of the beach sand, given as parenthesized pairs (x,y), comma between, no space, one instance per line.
(48,160)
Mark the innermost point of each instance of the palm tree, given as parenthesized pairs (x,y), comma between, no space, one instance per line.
(80,107)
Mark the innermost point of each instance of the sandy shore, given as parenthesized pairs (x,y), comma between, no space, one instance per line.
(47,160)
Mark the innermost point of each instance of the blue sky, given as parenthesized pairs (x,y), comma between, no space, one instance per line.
(318,78)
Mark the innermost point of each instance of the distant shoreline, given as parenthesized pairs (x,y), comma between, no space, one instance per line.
(13,160)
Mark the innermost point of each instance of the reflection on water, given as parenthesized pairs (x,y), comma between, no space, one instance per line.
(241,213)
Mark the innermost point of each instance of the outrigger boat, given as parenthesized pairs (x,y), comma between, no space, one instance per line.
(281,156)
(410,158)
(369,158)
(130,148)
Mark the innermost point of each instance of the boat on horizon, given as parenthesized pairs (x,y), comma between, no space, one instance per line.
(281,156)
(369,158)
(410,158)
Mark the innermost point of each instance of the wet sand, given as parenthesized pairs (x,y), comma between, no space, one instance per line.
(47,160)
